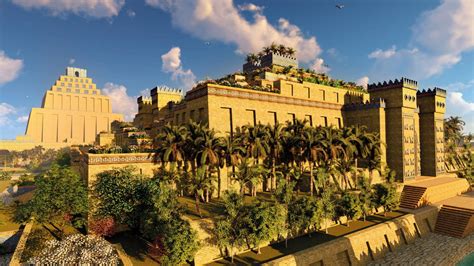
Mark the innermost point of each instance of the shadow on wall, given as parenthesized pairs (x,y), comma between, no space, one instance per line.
(367,245)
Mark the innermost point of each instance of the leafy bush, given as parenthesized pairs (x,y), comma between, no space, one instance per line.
(102,226)
(5,175)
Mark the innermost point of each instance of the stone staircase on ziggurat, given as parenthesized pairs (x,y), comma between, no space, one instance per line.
(450,194)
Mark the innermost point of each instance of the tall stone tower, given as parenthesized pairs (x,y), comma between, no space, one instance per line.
(73,111)
(402,127)
(160,97)
(432,105)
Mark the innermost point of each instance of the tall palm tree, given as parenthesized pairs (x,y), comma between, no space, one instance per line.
(290,51)
(275,137)
(295,142)
(349,138)
(170,144)
(199,182)
(333,146)
(249,174)
(208,155)
(267,50)
(274,47)
(313,152)
(232,152)
(281,49)
(255,141)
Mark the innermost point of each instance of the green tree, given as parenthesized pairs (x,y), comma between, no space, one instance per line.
(349,205)
(118,194)
(264,222)
(198,183)
(305,215)
(249,174)
(313,153)
(365,196)
(229,230)
(60,197)
(275,136)
(328,203)
(386,196)
(179,242)
(171,142)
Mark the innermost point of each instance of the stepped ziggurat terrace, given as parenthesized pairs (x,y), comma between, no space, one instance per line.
(272,89)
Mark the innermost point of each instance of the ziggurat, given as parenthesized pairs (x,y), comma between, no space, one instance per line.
(72,112)
(273,90)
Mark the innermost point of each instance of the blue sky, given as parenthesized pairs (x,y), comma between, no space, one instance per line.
(129,46)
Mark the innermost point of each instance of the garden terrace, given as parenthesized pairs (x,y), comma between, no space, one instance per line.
(297,244)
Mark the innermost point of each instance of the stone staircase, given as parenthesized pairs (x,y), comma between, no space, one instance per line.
(455,221)
(411,196)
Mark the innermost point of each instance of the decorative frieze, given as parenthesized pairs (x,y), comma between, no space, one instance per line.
(121,158)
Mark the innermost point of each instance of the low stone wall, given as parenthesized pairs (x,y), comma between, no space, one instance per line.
(434,249)
(369,244)
(16,258)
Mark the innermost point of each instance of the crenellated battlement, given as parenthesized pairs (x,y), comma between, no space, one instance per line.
(145,100)
(403,82)
(374,103)
(432,92)
(167,90)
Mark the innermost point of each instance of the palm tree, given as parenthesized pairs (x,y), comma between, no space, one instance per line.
(333,146)
(313,152)
(208,155)
(249,174)
(199,182)
(290,51)
(275,136)
(267,50)
(274,47)
(232,152)
(170,143)
(281,49)
(255,141)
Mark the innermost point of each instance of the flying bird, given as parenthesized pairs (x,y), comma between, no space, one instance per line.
(207,43)
(340,6)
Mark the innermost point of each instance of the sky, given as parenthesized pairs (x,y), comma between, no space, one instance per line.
(129,46)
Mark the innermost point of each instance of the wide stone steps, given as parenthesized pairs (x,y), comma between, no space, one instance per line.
(411,196)
(455,221)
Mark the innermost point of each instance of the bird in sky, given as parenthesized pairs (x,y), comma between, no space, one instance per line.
(207,43)
(340,6)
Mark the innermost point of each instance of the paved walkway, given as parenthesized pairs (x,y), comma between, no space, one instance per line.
(432,249)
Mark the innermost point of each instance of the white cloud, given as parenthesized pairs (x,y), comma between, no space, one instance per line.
(221,20)
(363,81)
(131,13)
(90,8)
(250,7)
(319,66)
(439,38)
(5,111)
(121,102)
(72,61)
(460,86)
(9,68)
(458,106)
(172,64)
(22,119)
(381,54)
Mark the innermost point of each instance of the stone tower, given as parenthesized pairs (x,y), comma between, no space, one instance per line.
(402,127)
(432,104)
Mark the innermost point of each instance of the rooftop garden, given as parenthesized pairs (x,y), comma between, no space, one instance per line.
(291,72)
(272,49)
